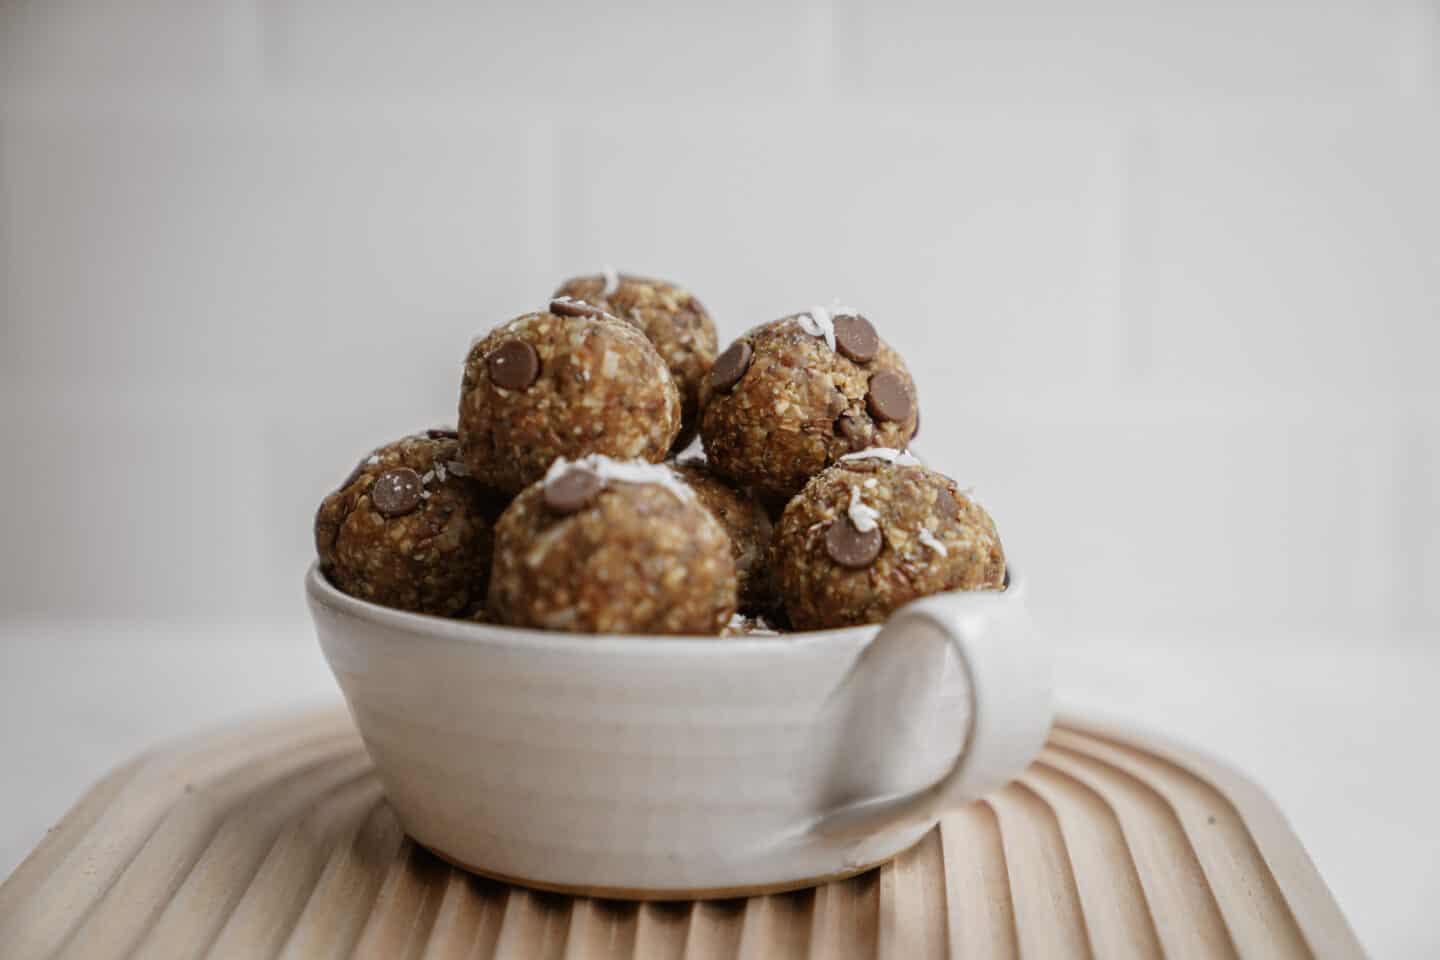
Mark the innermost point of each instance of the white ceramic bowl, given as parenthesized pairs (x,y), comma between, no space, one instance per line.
(667,767)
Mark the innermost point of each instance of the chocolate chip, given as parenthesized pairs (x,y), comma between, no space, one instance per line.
(856,338)
(396,492)
(572,490)
(571,307)
(945,504)
(851,548)
(856,430)
(731,365)
(889,398)
(442,433)
(513,365)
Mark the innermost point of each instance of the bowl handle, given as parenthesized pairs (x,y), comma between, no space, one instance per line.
(1009,673)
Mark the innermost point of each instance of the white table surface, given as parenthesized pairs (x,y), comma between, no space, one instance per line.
(1343,740)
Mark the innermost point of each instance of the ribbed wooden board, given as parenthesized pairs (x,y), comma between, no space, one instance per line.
(274,839)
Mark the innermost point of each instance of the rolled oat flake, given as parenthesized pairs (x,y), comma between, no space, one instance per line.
(514,365)
(573,490)
(731,365)
(849,547)
(857,432)
(396,492)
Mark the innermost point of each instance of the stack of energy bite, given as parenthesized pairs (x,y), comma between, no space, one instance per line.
(559,502)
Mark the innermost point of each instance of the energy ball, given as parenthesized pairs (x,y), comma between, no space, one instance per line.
(563,383)
(875,532)
(676,323)
(748,527)
(791,397)
(409,528)
(605,546)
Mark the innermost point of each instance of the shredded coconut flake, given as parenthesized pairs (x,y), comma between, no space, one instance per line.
(625,471)
(817,323)
(871,484)
(928,538)
(612,280)
(862,515)
(888,454)
(373,460)
(458,468)
(429,475)
(440,471)
(756,627)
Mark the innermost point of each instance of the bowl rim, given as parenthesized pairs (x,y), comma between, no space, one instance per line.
(325,594)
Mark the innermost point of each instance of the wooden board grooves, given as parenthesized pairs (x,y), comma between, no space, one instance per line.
(980,916)
(1104,869)
(273,839)
(1163,858)
(1249,898)
(62,838)
(137,895)
(333,916)
(96,861)
(1048,919)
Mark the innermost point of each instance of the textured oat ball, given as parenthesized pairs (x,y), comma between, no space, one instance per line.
(603,546)
(409,529)
(748,527)
(563,383)
(676,323)
(791,397)
(867,536)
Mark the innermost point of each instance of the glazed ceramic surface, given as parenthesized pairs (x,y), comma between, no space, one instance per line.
(687,766)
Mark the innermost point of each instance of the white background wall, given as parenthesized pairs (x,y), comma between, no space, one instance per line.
(1187,259)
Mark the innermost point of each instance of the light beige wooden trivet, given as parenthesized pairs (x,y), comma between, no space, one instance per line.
(273,839)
